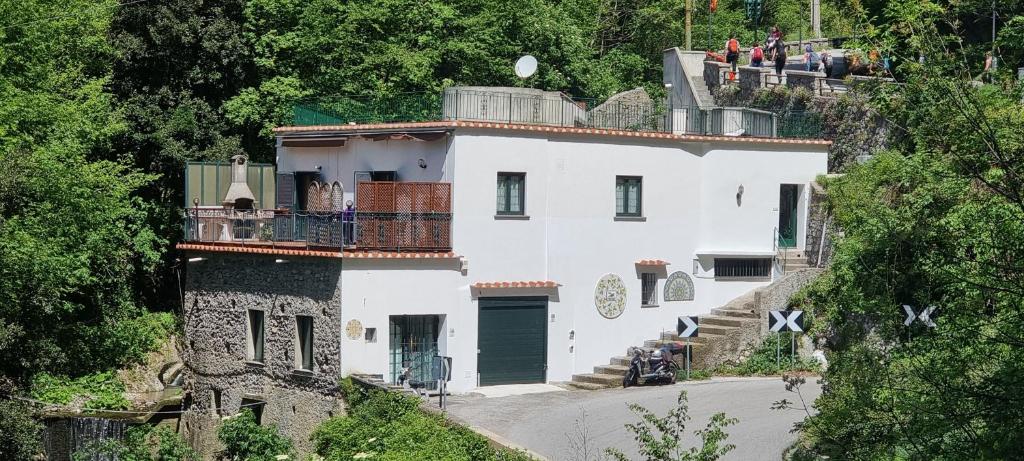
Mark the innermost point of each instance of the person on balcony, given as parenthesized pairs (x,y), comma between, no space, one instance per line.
(348,219)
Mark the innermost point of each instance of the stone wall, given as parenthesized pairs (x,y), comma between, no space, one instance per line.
(218,293)
(750,80)
(819,229)
(737,344)
(800,79)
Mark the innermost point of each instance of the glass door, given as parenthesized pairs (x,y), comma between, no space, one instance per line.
(788,195)
(413,345)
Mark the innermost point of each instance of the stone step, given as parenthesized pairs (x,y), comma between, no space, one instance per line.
(618,370)
(621,361)
(704,330)
(587,386)
(598,378)
(744,313)
(696,342)
(726,321)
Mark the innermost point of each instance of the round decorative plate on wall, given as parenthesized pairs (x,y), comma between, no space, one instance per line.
(354,329)
(610,296)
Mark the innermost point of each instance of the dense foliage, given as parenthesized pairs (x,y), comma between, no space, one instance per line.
(936,221)
(21,438)
(140,443)
(389,426)
(99,391)
(245,439)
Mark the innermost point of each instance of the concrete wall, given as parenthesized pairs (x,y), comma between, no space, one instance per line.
(218,293)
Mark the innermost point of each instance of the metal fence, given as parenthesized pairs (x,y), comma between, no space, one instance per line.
(556,109)
(362,231)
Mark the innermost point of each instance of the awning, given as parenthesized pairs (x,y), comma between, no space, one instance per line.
(652,262)
(517,284)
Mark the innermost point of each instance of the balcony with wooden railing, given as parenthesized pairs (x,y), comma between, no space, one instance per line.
(388,216)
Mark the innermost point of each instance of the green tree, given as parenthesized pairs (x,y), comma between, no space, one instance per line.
(936,221)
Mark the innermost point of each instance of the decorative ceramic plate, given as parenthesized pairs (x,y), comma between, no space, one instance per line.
(354,329)
(678,287)
(610,296)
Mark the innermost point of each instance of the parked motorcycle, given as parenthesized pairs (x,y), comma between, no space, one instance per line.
(661,368)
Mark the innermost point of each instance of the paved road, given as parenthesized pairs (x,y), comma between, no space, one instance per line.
(550,424)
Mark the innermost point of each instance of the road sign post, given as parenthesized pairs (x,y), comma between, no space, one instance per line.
(925,316)
(788,320)
(688,327)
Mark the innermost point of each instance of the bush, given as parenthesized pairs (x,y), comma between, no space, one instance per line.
(764,362)
(102,391)
(389,426)
(141,443)
(660,439)
(20,434)
(244,439)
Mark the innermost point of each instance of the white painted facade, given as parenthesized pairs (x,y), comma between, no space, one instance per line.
(691,212)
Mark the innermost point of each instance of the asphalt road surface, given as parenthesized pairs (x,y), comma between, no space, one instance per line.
(554,424)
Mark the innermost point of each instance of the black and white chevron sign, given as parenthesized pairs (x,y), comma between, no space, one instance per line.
(687,327)
(780,321)
(925,316)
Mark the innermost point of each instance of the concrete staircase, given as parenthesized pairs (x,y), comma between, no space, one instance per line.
(727,334)
(793,259)
(701,92)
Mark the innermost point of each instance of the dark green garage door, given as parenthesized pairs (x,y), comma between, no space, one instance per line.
(512,340)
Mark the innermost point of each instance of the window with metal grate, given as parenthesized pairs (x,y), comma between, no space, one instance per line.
(648,289)
(743,267)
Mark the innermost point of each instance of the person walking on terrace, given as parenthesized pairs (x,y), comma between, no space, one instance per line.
(810,58)
(756,55)
(732,51)
(779,56)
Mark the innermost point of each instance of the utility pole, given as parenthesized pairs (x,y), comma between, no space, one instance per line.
(816,17)
(689,24)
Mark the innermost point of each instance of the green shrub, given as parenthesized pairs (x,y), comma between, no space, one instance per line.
(20,434)
(661,438)
(764,362)
(102,391)
(244,439)
(141,443)
(390,426)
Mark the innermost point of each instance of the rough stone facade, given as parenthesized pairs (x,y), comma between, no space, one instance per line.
(218,293)
(819,229)
(800,79)
(751,80)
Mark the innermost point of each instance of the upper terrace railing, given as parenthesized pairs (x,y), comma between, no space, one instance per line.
(389,216)
(554,109)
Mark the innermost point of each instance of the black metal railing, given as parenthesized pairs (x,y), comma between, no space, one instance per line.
(349,230)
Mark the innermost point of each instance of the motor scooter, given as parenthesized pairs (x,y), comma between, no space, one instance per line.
(662,369)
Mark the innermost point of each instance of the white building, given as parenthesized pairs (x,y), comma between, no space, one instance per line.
(538,216)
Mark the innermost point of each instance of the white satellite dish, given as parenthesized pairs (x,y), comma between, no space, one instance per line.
(526,66)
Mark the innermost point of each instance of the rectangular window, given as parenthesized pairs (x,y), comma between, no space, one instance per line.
(304,343)
(511,193)
(255,334)
(743,267)
(648,289)
(628,196)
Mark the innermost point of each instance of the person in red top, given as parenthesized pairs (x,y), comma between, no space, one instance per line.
(732,51)
(756,55)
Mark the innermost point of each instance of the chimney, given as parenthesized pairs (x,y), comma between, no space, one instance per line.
(239,196)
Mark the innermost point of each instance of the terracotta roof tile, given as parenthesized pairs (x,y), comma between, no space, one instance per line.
(517,284)
(285,130)
(652,262)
